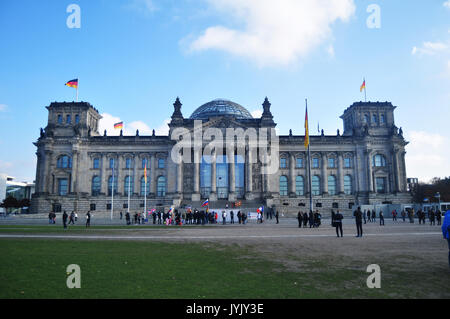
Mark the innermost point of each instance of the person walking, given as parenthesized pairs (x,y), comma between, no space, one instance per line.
(300,219)
(368,216)
(403,215)
(338,217)
(446,232)
(276,217)
(64,218)
(381,218)
(88,219)
(394,215)
(358,218)
(364,216)
(374,216)
(127,218)
(71,218)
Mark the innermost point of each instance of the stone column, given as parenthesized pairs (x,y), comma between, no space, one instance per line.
(103,176)
(307,177)
(324,174)
(152,175)
(341,173)
(402,173)
(48,171)
(249,174)
(120,178)
(396,171)
(370,184)
(180,179)
(196,194)
(232,177)
(73,184)
(213,195)
(292,192)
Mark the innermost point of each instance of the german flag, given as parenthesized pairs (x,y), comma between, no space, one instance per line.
(363,86)
(73,83)
(118,126)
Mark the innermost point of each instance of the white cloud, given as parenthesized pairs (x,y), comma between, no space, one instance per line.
(427,155)
(142,6)
(330,51)
(447,4)
(275,32)
(256,114)
(108,121)
(431,48)
(3,107)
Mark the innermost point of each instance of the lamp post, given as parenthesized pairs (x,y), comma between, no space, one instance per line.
(438,196)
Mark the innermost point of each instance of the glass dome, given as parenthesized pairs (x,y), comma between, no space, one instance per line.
(220,107)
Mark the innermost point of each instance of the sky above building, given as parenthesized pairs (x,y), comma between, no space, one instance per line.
(134,57)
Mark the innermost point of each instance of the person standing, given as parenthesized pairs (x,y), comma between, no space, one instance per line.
(88,219)
(358,218)
(368,216)
(300,219)
(127,218)
(276,217)
(232,217)
(446,232)
(439,217)
(64,218)
(338,217)
(364,216)
(224,217)
(311,219)
(305,219)
(381,218)
(239,216)
(431,216)
(121,215)
(374,216)
(394,215)
(403,215)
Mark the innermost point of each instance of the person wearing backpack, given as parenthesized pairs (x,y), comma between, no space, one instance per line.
(446,232)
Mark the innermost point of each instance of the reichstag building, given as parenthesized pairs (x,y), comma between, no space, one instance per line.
(364,164)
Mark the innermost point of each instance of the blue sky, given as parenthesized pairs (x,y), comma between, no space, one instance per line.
(134,57)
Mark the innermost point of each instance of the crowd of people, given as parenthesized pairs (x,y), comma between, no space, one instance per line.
(313,220)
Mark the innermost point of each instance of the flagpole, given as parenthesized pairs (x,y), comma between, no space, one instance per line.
(112,191)
(365,94)
(77,89)
(145,188)
(129,187)
(309,166)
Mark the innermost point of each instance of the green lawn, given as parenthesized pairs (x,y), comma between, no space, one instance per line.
(142,269)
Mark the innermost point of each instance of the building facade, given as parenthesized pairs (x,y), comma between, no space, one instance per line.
(80,168)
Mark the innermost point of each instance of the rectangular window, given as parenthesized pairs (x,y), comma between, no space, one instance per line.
(63,186)
(315,163)
(283,163)
(299,162)
(56,208)
(381,185)
(96,163)
(331,163)
(347,163)
(77,120)
(108,206)
(128,163)
(60,120)
(68,119)
(161,163)
(93,207)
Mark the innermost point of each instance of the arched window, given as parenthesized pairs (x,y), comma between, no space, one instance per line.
(77,119)
(283,186)
(68,119)
(379,161)
(332,185)
(299,186)
(161,186)
(315,187)
(110,185)
(60,119)
(64,162)
(96,185)
(348,187)
(128,185)
(374,119)
(145,188)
